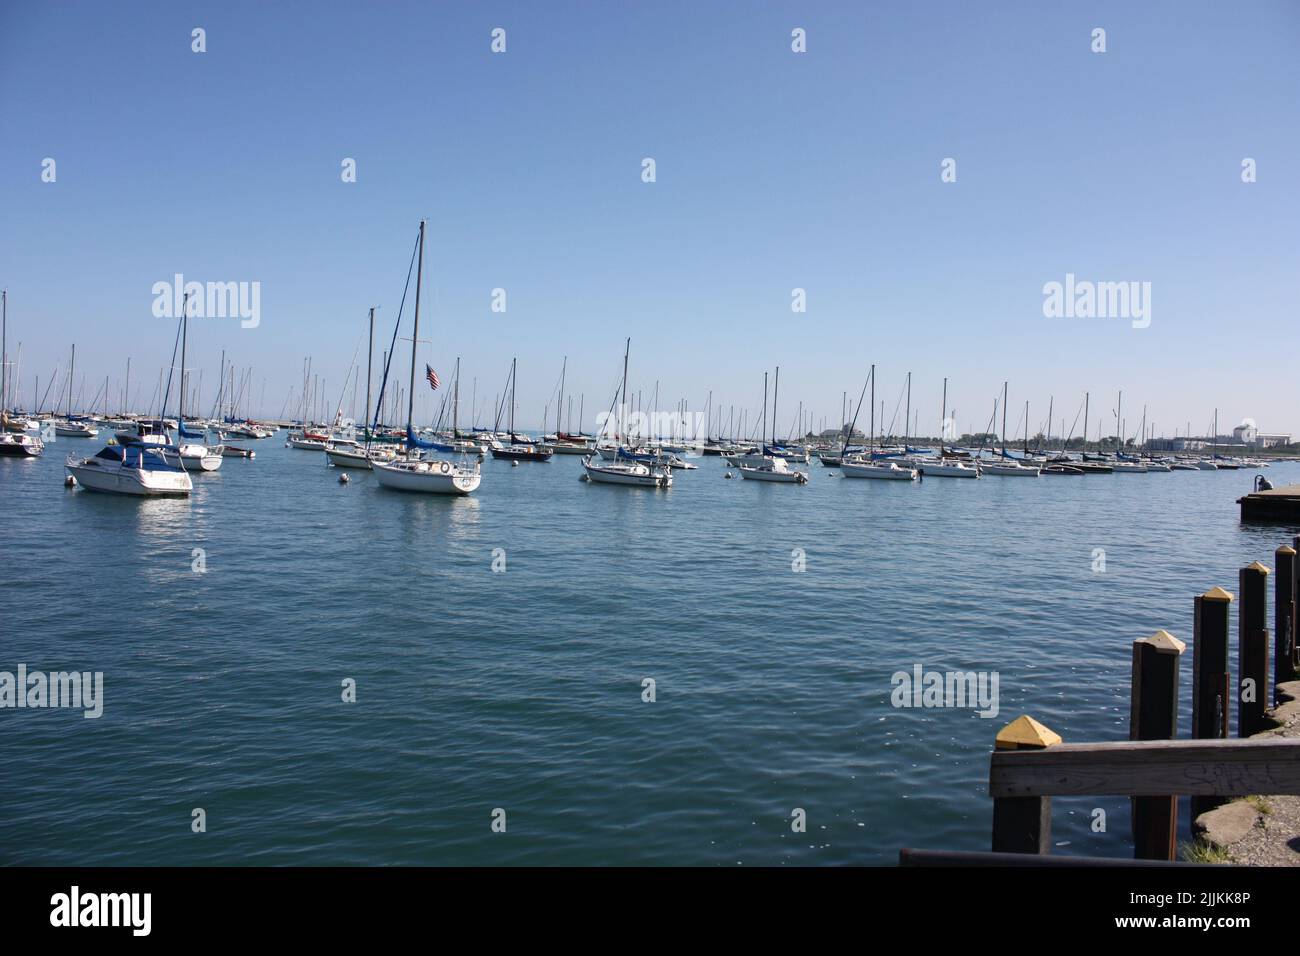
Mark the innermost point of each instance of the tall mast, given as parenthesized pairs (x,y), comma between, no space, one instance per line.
(871,444)
(622,404)
(370,357)
(185,329)
(415,337)
(1119,421)
(513,363)
(776,387)
(764,407)
(559,404)
(1086,398)
(72,368)
(908,413)
(455,400)
(1004,419)
(943,415)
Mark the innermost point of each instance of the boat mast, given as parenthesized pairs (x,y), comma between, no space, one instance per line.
(943,415)
(1004,419)
(871,443)
(908,413)
(764,408)
(455,401)
(622,402)
(1026,429)
(1086,397)
(370,356)
(776,387)
(180,408)
(511,419)
(415,338)
(1119,423)
(559,404)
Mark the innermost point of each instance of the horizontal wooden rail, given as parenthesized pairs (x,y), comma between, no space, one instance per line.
(1135,768)
(910,857)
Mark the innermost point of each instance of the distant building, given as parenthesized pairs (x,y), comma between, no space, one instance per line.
(1248,433)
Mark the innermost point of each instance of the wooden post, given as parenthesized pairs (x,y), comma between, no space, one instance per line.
(1252,650)
(1153,715)
(1295,607)
(1284,618)
(1023,824)
(1210,683)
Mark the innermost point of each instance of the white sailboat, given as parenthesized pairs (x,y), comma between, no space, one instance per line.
(622,470)
(413,472)
(191,451)
(865,466)
(769,467)
(13,443)
(1007,466)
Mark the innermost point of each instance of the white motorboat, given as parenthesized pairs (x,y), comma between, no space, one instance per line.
(947,468)
(193,456)
(130,470)
(624,471)
(1010,469)
(20,446)
(143,432)
(771,468)
(1206,464)
(888,470)
(67,428)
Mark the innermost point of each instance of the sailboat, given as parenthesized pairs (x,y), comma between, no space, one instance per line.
(518,449)
(415,472)
(191,450)
(353,454)
(625,469)
(769,466)
(71,426)
(565,443)
(947,466)
(866,466)
(1008,467)
(12,444)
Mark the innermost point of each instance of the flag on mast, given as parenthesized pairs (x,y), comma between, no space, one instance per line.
(432,376)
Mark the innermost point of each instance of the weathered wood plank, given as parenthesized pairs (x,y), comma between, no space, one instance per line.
(1149,768)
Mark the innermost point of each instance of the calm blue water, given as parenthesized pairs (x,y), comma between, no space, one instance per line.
(522,690)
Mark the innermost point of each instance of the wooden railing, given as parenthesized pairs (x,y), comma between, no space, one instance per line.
(1031,764)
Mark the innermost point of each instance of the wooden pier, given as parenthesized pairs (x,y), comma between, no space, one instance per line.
(1030,763)
(1277,504)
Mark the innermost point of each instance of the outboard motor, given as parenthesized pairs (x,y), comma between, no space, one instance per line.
(1263,484)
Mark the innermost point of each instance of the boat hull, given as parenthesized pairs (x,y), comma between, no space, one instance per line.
(131,481)
(20,446)
(885,472)
(426,477)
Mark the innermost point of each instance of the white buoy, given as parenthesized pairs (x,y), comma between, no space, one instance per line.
(344,479)
(69,482)
(514,464)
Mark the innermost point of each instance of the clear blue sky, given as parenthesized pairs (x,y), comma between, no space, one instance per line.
(775,170)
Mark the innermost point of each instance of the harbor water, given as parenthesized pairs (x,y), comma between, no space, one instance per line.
(622,676)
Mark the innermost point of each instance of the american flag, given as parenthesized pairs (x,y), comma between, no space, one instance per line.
(432,376)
